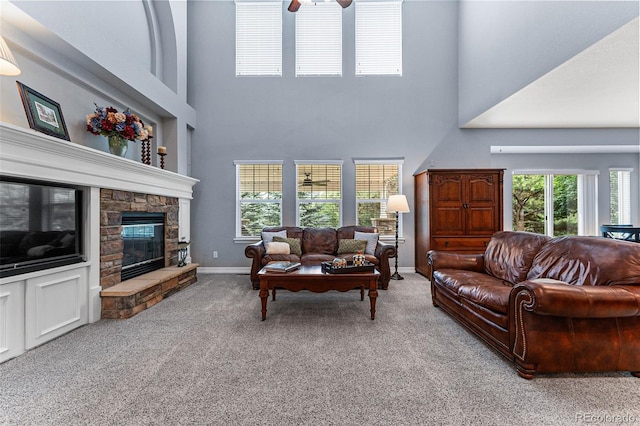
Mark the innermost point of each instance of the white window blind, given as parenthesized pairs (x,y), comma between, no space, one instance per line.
(620,196)
(319,39)
(379,38)
(259,38)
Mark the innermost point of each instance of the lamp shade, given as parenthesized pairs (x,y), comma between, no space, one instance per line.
(398,204)
(8,64)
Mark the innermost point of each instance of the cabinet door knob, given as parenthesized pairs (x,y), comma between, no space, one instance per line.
(446,243)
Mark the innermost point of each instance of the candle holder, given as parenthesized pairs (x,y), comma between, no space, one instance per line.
(162,155)
(146,151)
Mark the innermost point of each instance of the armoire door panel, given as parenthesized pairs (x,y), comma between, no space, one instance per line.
(448,221)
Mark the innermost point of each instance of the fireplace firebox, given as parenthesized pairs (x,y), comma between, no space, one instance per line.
(143,238)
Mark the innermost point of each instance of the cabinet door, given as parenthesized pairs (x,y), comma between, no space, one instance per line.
(481,205)
(447,199)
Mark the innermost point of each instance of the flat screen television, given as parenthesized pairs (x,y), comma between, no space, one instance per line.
(40,225)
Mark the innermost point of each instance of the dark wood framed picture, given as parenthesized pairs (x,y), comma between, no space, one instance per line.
(43,114)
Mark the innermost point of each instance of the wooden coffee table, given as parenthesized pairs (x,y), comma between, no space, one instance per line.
(312,278)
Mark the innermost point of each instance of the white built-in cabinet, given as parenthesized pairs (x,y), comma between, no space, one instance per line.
(41,307)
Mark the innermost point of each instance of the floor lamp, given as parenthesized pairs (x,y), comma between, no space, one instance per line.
(397,204)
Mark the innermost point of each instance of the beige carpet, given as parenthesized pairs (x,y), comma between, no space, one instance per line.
(203,356)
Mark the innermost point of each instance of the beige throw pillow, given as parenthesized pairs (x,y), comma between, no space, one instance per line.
(278,248)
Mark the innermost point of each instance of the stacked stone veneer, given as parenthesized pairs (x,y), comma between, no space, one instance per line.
(112,204)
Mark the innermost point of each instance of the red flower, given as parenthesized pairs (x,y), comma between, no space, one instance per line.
(106,125)
(111,109)
(129,133)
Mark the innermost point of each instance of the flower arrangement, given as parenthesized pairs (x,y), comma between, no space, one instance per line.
(109,122)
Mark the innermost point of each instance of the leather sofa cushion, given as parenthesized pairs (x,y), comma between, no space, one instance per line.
(492,296)
(588,261)
(316,259)
(482,289)
(509,254)
(280,257)
(320,241)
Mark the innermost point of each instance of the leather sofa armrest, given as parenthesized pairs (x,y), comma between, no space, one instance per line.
(452,260)
(257,252)
(385,250)
(565,300)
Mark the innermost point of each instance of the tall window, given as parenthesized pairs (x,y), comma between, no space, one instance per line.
(620,196)
(319,193)
(259,38)
(259,196)
(555,204)
(379,38)
(375,182)
(319,39)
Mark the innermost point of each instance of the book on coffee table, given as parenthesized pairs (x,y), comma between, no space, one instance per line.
(283,266)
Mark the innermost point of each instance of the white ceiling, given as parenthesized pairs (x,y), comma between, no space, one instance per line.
(599,87)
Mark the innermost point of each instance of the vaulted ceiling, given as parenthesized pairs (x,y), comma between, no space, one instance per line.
(598,87)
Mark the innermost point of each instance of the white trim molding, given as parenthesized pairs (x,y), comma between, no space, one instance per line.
(565,149)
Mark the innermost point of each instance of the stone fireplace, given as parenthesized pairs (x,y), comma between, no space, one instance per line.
(112,204)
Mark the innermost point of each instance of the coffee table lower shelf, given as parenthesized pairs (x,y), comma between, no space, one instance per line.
(312,278)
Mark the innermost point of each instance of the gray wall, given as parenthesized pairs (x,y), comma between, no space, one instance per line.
(314,118)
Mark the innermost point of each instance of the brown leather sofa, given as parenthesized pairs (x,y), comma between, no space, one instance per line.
(550,305)
(320,245)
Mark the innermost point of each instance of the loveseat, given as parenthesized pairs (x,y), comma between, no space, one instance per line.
(317,245)
(550,305)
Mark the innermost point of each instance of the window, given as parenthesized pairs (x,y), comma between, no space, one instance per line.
(319,39)
(319,192)
(620,196)
(375,182)
(259,38)
(556,204)
(379,38)
(259,195)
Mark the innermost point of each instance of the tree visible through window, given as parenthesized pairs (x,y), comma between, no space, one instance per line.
(259,197)
(319,194)
(545,204)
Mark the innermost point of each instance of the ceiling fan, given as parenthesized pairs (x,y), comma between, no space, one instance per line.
(310,182)
(295,4)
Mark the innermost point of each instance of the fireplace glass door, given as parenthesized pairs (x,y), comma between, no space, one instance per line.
(143,238)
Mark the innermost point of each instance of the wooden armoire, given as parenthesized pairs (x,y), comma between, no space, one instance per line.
(456,210)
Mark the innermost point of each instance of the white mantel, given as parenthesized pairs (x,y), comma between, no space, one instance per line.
(39,306)
(30,154)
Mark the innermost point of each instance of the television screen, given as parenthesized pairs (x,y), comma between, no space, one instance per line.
(39,226)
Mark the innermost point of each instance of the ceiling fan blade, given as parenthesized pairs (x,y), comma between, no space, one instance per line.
(344,3)
(294,6)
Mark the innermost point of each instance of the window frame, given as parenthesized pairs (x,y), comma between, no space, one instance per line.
(337,201)
(587,203)
(398,162)
(239,201)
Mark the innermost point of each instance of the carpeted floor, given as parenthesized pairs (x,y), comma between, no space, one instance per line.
(203,356)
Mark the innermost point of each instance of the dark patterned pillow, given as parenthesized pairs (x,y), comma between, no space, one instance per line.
(351,246)
(294,243)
